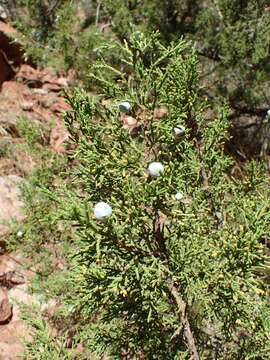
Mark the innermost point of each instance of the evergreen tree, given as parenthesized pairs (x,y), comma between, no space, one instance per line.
(167,239)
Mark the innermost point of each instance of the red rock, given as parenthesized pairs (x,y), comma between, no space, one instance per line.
(11,336)
(72,77)
(129,121)
(59,136)
(47,100)
(80,348)
(27,105)
(27,72)
(60,106)
(5,308)
(42,78)
(7,29)
(24,162)
(52,86)
(43,114)
(10,279)
(15,90)
(16,262)
(49,77)
(40,91)
(62,81)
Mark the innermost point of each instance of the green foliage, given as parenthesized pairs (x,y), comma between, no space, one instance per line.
(237,43)
(40,14)
(40,203)
(165,15)
(46,346)
(231,37)
(161,274)
(48,38)
(158,265)
(5,148)
(33,133)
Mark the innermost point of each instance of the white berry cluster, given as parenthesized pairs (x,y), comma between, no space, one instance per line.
(102,211)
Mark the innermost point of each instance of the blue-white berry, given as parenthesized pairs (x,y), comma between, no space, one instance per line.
(155,169)
(178,131)
(102,211)
(268,114)
(125,107)
(178,196)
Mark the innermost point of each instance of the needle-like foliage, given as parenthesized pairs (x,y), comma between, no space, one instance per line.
(163,278)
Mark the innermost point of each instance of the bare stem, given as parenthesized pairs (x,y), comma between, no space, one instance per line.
(184,320)
(97,12)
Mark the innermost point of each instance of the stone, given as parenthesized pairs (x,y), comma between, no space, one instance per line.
(11,346)
(58,138)
(27,105)
(5,307)
(10,279)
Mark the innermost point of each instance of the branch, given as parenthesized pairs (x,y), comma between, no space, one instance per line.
(183,319)
(205,177)
(218,10)
(6,60)
(97,12)
(53,7)
(213,55)
(244,109)
(241,109)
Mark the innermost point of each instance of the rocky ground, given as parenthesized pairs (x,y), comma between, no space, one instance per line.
(35,96)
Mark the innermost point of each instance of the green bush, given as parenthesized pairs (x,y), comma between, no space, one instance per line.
(231,38)
(176,270)
(164,277)
(53,33)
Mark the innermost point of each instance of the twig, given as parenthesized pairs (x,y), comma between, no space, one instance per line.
(53,6)
(97,12)
(205,181)
(218,10)
(183,319)
(244,109)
